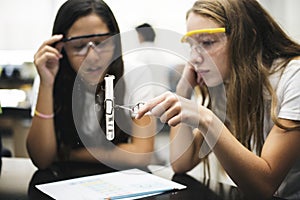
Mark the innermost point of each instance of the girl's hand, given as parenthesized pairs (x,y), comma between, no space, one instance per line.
(172,109)
(187,81)
(46,59)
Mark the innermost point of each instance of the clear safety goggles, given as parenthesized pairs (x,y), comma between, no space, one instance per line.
(80,45)
(205,40)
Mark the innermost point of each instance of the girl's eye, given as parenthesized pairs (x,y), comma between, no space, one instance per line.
(79,46)
(97,43)
(207,43)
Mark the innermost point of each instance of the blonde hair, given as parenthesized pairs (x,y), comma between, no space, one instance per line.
(255,42)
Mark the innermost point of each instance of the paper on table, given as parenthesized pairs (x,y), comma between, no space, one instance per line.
(126,184)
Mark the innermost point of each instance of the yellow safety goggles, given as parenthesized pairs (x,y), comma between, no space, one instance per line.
(202,31)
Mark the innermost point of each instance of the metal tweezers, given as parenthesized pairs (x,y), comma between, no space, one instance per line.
(134,108)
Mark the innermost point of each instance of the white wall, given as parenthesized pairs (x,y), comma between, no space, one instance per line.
(25,24)
(165,14)
(287,14)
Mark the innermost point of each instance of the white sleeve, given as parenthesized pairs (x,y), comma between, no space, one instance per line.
(139,84)
(289,88)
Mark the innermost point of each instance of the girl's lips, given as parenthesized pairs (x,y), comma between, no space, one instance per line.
(91,70)
(202,71)
(93,74)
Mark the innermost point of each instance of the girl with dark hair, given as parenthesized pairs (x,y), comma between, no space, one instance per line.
(69,121)
(256,138)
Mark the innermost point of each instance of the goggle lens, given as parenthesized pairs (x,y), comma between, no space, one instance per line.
(80,45)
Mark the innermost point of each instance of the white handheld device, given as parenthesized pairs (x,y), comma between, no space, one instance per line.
(109,106)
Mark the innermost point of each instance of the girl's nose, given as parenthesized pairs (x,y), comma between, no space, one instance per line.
(92,50)
(196,58)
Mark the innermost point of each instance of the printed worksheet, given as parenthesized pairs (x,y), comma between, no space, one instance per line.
(126,184)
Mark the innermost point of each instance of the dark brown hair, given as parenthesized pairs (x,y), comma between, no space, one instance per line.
(65,127)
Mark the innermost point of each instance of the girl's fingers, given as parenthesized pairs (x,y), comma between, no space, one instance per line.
(53,40)
(171,112)
(48,46)
(174,121)
(159,105)
(44,58)
(150,105)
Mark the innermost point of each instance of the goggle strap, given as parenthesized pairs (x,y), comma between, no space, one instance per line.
(209,31)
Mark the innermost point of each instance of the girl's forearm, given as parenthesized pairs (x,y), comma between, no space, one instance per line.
(251,173)
(41,139)
(184,148)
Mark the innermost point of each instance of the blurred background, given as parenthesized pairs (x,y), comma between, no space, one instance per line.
(25,24)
